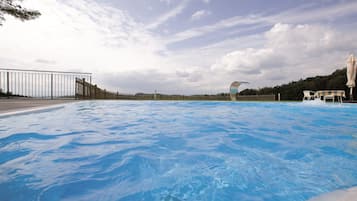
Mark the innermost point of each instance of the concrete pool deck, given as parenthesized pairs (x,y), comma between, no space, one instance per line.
(339,195)
(16,105)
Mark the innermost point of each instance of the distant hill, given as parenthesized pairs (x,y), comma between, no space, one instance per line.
(294,90)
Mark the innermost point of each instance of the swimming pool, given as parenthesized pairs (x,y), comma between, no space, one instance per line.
(147,150)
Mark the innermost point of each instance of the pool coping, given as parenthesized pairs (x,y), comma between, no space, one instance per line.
(338,195)
(33,110)
(24,111)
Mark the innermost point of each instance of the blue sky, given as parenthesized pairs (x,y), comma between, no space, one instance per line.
(184,46)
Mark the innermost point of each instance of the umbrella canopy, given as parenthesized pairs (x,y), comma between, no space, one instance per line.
(351,71)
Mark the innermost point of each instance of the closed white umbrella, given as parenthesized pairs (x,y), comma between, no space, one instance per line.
(351,74)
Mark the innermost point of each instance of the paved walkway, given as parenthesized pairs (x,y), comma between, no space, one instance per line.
(12,105)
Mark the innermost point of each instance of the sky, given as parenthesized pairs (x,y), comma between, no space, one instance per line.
(183,46)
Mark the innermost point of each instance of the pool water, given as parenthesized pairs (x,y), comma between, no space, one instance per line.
(178,151)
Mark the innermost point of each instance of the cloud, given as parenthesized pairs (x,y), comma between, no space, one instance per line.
(308,15)
(250,60)
(149,81)
(45,61)
(206,1)
(183,74)
(126,55)
(289,52)
(304,14)
(301,42)
(191,75)
(167,16)
(223,24)
(168,2)
(200,14)
(80,34)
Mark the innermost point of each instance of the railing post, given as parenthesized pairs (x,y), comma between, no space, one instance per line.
(90,87)
(8,84)
(84,87)
(75,89)
(51,86)
(95,91)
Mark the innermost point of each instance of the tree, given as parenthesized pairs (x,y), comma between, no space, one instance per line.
(9,7)
(294,90)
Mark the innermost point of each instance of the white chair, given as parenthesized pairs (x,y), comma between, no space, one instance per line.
(309,95)
(329,98)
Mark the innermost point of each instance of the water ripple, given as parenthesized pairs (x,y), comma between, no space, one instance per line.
(178,151)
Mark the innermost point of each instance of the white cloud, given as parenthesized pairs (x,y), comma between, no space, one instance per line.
(167,16)
(293,16)
(226,23)
(80,34)
(206,1)
(249,61)
(290,52)
(200,14)
(333,12)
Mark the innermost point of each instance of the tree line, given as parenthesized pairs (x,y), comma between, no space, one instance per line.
(294,90)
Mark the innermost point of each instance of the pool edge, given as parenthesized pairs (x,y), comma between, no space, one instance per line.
(21,111)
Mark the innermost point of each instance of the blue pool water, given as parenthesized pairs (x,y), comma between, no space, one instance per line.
(178,151)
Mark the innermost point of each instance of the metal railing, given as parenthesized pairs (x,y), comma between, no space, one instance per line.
(86,90)
(39,84)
